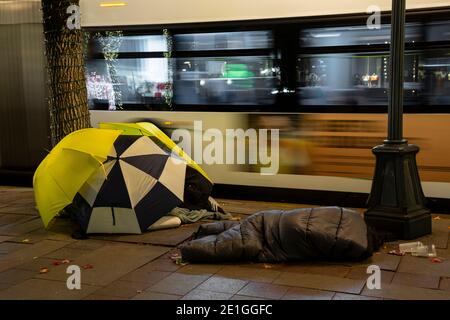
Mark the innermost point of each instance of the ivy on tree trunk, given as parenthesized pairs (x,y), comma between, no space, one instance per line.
(67,101)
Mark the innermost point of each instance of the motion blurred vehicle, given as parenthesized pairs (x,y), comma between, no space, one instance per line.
(322,80)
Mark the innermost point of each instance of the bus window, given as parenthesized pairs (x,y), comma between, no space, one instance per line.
(353,79)
(205,75)
(223,41)
(224,80)
(356,35)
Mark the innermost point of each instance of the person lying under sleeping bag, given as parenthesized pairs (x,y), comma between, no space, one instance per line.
(329,233)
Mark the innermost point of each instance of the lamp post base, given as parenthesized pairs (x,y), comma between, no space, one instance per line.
(396,202)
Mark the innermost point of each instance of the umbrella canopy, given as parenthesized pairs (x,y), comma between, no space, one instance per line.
(150,130)
(67,167)
(198,186)
(139,183)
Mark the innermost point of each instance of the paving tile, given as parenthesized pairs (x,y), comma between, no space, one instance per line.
(20,209)
(416,280)
(424,266)
(168,237)
(13,194)
(346,296)
(321,282)
(99,297)
(11,219)
(307,294)
(440,235)
(88,244)
(248,274)
(39,289)
(317,268)
(239,297)
(200,269)
(122,289)
(4,286)
(163,263)
(147,277)
(360,273)
(36,264)
(21,228)
(67,253)
(4,238)
(26,254)
(383,260)
(445,284)
(443,253)
(393,291)
(9,247)
(150,295)
(110,263)
(41,234)
(15,276)
(198,294)
(264,290)
(178,284)
(224,285)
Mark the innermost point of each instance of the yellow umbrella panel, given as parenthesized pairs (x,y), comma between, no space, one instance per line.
(68,166)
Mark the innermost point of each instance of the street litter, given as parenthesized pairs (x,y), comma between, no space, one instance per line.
(416,249)
(59,262)
(437,260)
(397,253)
(25,240)
(43,270)
(178,260)
(88,266)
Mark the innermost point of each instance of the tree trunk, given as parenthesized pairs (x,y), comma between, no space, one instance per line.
(68,104)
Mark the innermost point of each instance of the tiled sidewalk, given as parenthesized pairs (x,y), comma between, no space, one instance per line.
(138,267)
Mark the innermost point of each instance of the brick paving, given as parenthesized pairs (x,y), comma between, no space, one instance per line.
(138,267)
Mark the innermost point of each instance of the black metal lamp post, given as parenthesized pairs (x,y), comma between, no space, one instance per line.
(396,202)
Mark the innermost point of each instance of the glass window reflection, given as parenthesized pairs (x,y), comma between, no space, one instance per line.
(353,79)
(223,41)
(139,81)
(356,35)
(134,43)
(225,80)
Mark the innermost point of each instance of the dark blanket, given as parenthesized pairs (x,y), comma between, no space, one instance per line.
(329,233)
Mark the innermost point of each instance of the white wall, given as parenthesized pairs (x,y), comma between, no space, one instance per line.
(138,12)
(20,11)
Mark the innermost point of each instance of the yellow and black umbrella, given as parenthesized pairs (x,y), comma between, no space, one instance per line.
(67,167)
(118,179)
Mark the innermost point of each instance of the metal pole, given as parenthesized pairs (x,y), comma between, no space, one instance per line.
(396,202)
(395,110)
